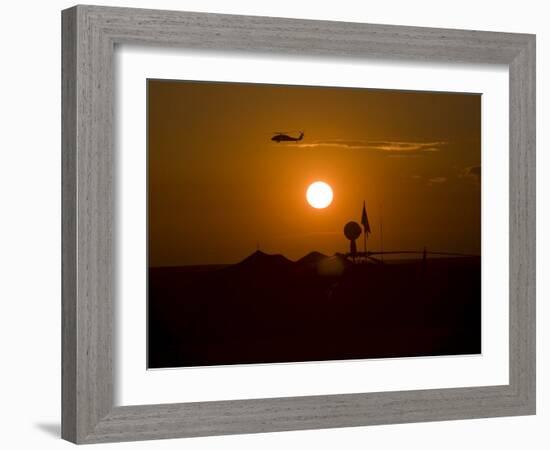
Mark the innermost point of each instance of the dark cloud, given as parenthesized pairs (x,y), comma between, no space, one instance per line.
(472,173)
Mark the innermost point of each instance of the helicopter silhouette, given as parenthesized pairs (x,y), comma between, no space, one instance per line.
(281,136)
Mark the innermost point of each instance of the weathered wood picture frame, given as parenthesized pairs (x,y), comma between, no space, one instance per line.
(89,37)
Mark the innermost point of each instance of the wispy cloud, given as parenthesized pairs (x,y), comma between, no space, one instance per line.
(473,173)
(437,180)
(392,147)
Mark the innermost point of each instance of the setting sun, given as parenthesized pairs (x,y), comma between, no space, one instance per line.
(319,195)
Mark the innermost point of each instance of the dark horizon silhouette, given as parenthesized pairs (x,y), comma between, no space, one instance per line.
(269,309)
(398,256)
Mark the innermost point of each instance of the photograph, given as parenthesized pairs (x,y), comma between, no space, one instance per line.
(309,223)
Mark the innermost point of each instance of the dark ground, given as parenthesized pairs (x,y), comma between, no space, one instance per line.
(268,309)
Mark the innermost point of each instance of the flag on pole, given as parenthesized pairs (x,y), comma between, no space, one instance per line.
(365,220)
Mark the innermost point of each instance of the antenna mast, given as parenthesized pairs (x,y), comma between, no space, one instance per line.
(381,236)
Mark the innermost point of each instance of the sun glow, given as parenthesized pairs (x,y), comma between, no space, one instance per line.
(319,195)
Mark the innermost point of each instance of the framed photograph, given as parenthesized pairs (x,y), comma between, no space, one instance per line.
(278,224)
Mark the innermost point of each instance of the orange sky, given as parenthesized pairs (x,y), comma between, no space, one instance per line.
(218,186)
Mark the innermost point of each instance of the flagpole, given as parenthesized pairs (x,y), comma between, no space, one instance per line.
(381,235)
(366,228)
(364,231)
(365,241)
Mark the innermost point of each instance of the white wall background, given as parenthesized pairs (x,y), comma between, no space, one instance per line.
(30,208)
